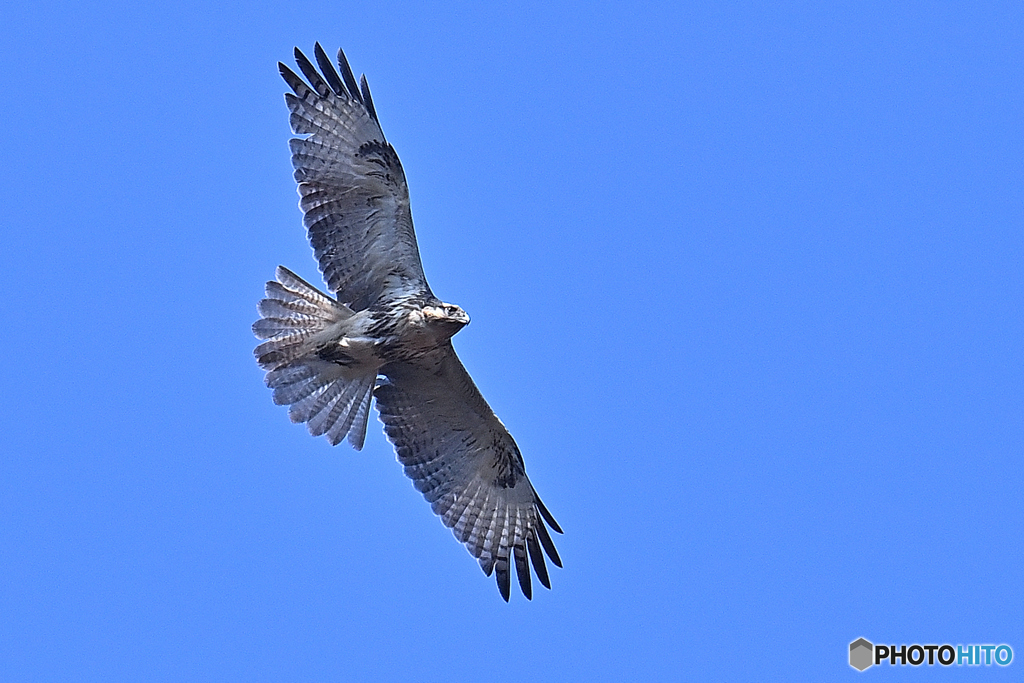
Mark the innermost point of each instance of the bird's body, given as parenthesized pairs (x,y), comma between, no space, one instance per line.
(386,335)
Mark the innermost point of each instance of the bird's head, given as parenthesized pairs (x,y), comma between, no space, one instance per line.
(447,317)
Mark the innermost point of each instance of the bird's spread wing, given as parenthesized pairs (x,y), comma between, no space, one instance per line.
(355,199)
(463,460)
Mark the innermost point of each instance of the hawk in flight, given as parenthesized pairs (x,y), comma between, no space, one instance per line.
(385,335)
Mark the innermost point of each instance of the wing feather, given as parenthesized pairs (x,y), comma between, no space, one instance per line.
(547,543)
(353,191)
(346,72)
(467,465)
(537,559)
(519,553)
(364,87)
(311,74)
(330,74)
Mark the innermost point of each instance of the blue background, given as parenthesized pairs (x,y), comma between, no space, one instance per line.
(746,285)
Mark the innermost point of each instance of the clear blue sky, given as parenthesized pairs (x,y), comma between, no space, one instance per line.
(746,285)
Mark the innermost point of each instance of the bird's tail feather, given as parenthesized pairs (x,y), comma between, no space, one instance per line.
(293,312)
(329,403)
(334,400)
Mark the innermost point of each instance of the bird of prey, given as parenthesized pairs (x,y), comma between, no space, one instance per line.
(385,335)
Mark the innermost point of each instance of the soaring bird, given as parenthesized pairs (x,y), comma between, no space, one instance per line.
(384,335)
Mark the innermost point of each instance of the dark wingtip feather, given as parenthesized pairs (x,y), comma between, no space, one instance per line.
(501,575)
(523,571)
(548,516)
(537,559)
(330,73)
(367,100)
(293,80)
(549,546)
(311,74)
(346,73)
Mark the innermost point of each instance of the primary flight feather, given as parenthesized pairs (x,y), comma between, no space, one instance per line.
(384,334)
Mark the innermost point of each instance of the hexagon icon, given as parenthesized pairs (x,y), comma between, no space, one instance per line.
(861,654)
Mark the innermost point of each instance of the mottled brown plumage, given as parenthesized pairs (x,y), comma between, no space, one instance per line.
(386,335)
